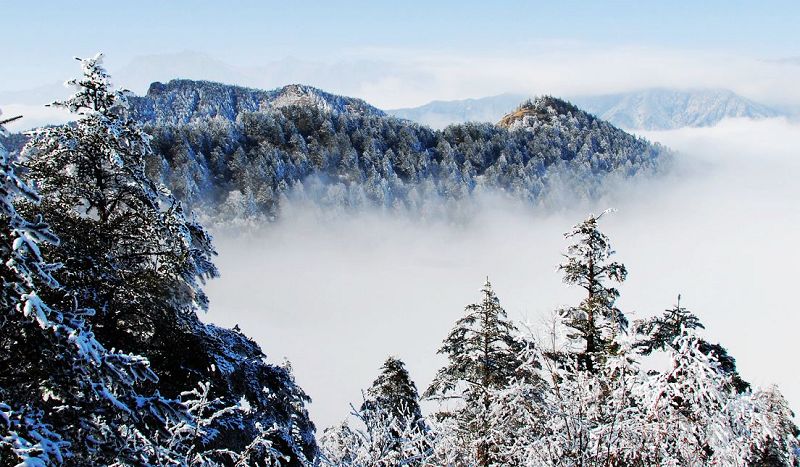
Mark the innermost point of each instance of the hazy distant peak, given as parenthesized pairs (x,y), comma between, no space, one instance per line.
(439,113)
(651,109)
(666,109)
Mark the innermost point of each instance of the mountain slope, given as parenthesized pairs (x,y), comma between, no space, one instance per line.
(234,153)
(184,101)
(339,153)
(651,109)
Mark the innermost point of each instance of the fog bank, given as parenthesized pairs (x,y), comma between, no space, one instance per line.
(337,296)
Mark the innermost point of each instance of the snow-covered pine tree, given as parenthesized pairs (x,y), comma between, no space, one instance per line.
(64,397)
(390,428)
(660,332)
(596,322)
(393,390)
(485,353)
(131,254)
(697,417)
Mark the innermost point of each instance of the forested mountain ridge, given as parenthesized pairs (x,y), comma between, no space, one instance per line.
(235,153)
(183,101)
(238,152)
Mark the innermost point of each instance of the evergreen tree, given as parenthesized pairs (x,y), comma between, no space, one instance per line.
(131,254)
(596,322)
(484,353)
(394,391)
(660,332)
(383,440)
(64,397)
(393,433)
(697,418)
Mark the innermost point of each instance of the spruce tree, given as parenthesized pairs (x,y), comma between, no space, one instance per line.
(129,251)
(484,353)
(660,333)
(596,322)
(132,255)
(392,430)
(64,397)
(394,391)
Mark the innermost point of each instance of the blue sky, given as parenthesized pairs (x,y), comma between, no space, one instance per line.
(45,33)
(407,53)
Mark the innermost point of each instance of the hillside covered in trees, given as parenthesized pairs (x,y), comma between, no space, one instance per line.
(237,152)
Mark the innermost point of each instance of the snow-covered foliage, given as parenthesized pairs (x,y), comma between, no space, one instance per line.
(395,392)
(252,149)
(536,400)
(596,322)
(485,353)
(135,265)
(386,430)
(124,231)
(64,396)
(661,332)
(379,438)
(696,416)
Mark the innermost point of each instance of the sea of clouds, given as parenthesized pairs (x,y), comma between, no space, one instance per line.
(337,295)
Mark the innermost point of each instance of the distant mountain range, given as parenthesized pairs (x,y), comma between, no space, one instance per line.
(651,109)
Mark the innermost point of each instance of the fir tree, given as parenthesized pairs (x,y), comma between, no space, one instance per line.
(596,321)
(131,254)
(660,332)
(484,353)
(393,433)
(64,397)
(394,391)
(128,250)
